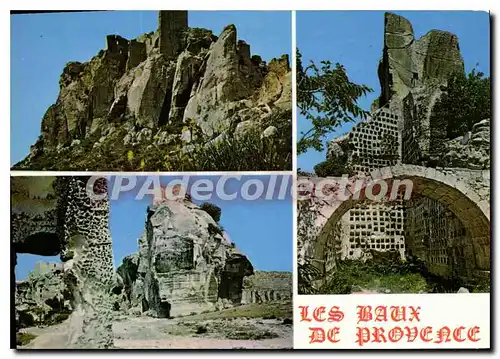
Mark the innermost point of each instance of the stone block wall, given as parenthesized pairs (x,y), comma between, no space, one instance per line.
(265,287)
(171,25)
(374,226)
(437,237)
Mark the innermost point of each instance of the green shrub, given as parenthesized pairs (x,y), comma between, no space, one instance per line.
(213,210)
(24,338)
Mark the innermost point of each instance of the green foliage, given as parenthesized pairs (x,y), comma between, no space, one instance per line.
(327,98)
(465,101)
(213,210)
(250,151)
(394,275)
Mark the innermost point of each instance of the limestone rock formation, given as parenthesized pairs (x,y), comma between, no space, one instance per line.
(185,263)
(153,93)
(55,215)
(471,150)
(262,287)
(43,298)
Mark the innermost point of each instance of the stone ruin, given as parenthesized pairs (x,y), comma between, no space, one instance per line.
(446,222)
(148,91)
(265,287)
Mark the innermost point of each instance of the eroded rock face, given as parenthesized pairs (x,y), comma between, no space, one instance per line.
(472,150)
(185,263)
(43,298)
(166,82)
(52,215)
(408,63)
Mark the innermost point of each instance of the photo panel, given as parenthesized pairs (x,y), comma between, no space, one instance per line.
(152,262)
(151,91)
(393,210)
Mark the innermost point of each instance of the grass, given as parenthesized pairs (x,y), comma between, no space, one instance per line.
(243,153)
(254,310)
(389,275)
(23,339)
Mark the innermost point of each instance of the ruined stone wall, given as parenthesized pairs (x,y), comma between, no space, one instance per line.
(80,234)
(375,227)
(171,27)
(376,144)
(265,287)
(438,238)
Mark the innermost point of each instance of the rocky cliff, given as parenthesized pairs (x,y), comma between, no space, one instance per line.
(185,263)
(409,64)
(144,103)
(413,74)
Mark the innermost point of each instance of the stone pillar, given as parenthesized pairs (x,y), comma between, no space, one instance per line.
(89,266)
(171,28)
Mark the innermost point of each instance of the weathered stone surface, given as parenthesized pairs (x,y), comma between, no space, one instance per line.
(185,263)
(221,83)
(43,298)
(408,63)
(52,215)
(265,286)
(167,80)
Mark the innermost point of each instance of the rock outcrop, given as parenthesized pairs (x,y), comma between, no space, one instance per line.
(157,93)
(55,215)
(472,150)
(408,63)
(262,287)
(413,73)
(43,298)
(185,263)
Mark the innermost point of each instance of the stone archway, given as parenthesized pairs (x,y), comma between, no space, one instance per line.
(464,193)
(55,215)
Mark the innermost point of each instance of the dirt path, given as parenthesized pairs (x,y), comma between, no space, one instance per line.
(180,333)
(202,343)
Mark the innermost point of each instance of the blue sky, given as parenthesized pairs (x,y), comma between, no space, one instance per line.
(355,39)
(262,229)
(42,44)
